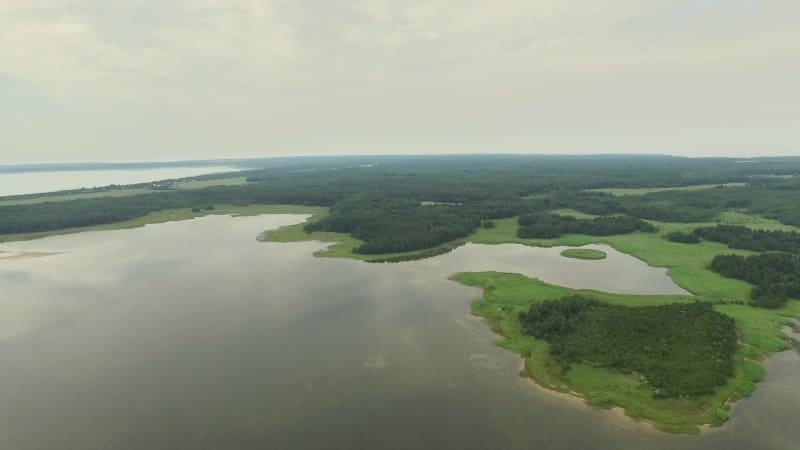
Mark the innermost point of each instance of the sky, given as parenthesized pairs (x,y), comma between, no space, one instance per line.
(137,80)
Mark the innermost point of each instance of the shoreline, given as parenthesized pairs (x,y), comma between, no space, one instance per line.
(620,414)
(578,400)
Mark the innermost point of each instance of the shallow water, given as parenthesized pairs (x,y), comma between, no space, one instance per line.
(36,182)
(194,335)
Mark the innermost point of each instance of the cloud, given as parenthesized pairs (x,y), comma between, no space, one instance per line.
(75,47)
(78,46)
(256,77)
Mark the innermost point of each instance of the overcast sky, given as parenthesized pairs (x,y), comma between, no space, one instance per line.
(132,80)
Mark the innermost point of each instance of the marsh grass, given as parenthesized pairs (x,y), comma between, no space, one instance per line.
(584,253)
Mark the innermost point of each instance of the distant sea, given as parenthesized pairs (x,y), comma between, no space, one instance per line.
(32,182)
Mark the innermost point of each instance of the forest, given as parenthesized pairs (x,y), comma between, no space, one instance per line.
(682,350)
(736,236)
(775,276)
(542,226)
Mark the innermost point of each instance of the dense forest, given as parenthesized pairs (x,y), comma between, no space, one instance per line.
(683,350)
(775,276)
(380,199)
(748,239)
(552,226)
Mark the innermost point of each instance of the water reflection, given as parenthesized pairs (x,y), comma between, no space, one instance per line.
(193,335)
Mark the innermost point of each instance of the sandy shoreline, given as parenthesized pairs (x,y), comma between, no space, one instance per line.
(619,413)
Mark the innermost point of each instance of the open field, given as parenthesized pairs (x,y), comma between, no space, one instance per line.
(643,191)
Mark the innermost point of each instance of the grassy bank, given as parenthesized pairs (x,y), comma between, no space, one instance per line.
(506,295)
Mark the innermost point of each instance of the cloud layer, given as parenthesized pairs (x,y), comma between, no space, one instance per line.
(165,79)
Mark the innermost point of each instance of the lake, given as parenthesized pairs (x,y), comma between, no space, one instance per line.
(19,183)
(193,335)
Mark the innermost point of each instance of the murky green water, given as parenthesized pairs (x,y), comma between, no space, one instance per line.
(192,335)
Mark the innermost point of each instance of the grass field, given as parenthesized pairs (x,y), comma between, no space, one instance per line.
(584,253)
(506,295)
(643,191)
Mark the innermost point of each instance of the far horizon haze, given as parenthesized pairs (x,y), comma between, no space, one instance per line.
(88,80)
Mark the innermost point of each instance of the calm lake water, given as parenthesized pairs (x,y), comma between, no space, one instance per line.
(193,335)
(36,182)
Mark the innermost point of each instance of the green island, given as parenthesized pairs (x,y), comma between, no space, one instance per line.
(584,253)
(711,223)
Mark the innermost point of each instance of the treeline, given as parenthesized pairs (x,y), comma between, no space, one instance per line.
(552,226)
(103,210)
(737,236)
(682,350)
(775,276)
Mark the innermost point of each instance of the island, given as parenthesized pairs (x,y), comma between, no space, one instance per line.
(584,253)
